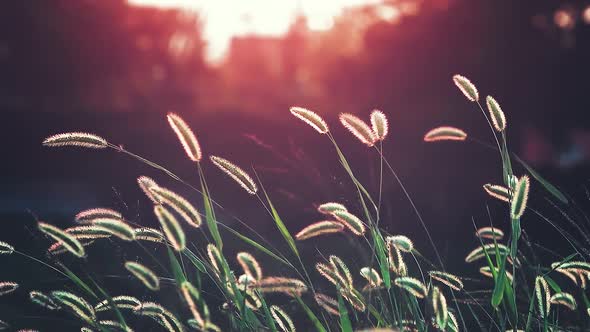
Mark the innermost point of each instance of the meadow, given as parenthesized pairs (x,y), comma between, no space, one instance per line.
(185,274)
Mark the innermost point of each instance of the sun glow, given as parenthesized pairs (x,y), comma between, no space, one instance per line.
(225,19)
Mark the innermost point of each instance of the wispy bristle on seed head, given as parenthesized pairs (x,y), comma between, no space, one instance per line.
(372,276)
(181,205)
(491,233)
(67,240)
(353,297)
(466,87)
(186,136)
(500,192)
(90,214)
(57,248)
(289,286)
(412,285)
(76,304)
(498,118)
(216,259)
(7,287)
(379,124)
(43,300)
(396,261)
(564,299)
(358,128)
(342,271)
(330,207)
(352,222)
(543,295)
(172,229)
(327,272)
(144,274)
(149,234)
(88,232)
(402,242)
(250,265)
(328,303)
(5,248)
(450,280)
(319,228)
(236,173)
(283,320)
(84,140)
(120,302)
(116,227)
(311,118)
(145,183)
(520,198)
(445,133)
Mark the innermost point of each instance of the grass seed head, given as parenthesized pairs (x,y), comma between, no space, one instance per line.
(564,299)
(498,118)
(43,300)
(120,302)
(116,227)
(186,136)
(543,295)
(330,207)
(5,248)
(7,287)
(236,173)
(500,192)
(466,87)
(412,285)
(149,234)
(445,133)
(78,305)
(379,124)
(328,303)
(289,286)
(84,140)
(401,242)
(352,222)
(68,241)
(450,280)
(145,183)
(319,228)
(520,198)
(96,213)
(359,128)
(491,233)
(182,206)
(372,276)
(439,306)
(172,229)
(250,265)
(144,274)
(283,320)
(311,118)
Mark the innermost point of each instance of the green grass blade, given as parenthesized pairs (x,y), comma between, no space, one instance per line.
(267,315)
(176,268)
(255,245)
(550,188)
(314,319)
(76,280)
(209,214)
(500,283)
(382,257)
(345,324)
(281,225)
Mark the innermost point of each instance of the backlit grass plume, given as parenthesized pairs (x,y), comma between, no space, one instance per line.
(328,272)
(236,173)
(76,304)
(500,192)
(145,183)
(439,306)
(311,118)
(491,233)
(67,240)
(97,213)
(352,222)
(564,299)
(319,228)
(250,265)
(88,232)
(289,286)
(144,274)
(84,140)
(450,280)
(341,271)
(353,297)
(116,227)
(358,128)
(496,114)
(7,287)
(5,248)
(330,207)
(172,230)
(445,133)
(192,297)
(401,242)
(182,206)
(161,315)
(282,319)
(327,303)
(43,300)
(379,125)
(120,302)
(372,276)
(521,196)
(396,261)
(216,259)
(148,234)
(487,271)
(186,136)
(490,249)
(466,87)
(412,285)
(543,295)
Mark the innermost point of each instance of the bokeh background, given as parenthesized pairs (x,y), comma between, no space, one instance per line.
(233,68)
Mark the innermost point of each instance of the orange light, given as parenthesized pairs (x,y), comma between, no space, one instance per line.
(225,19)
(586,15)
(564,19)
